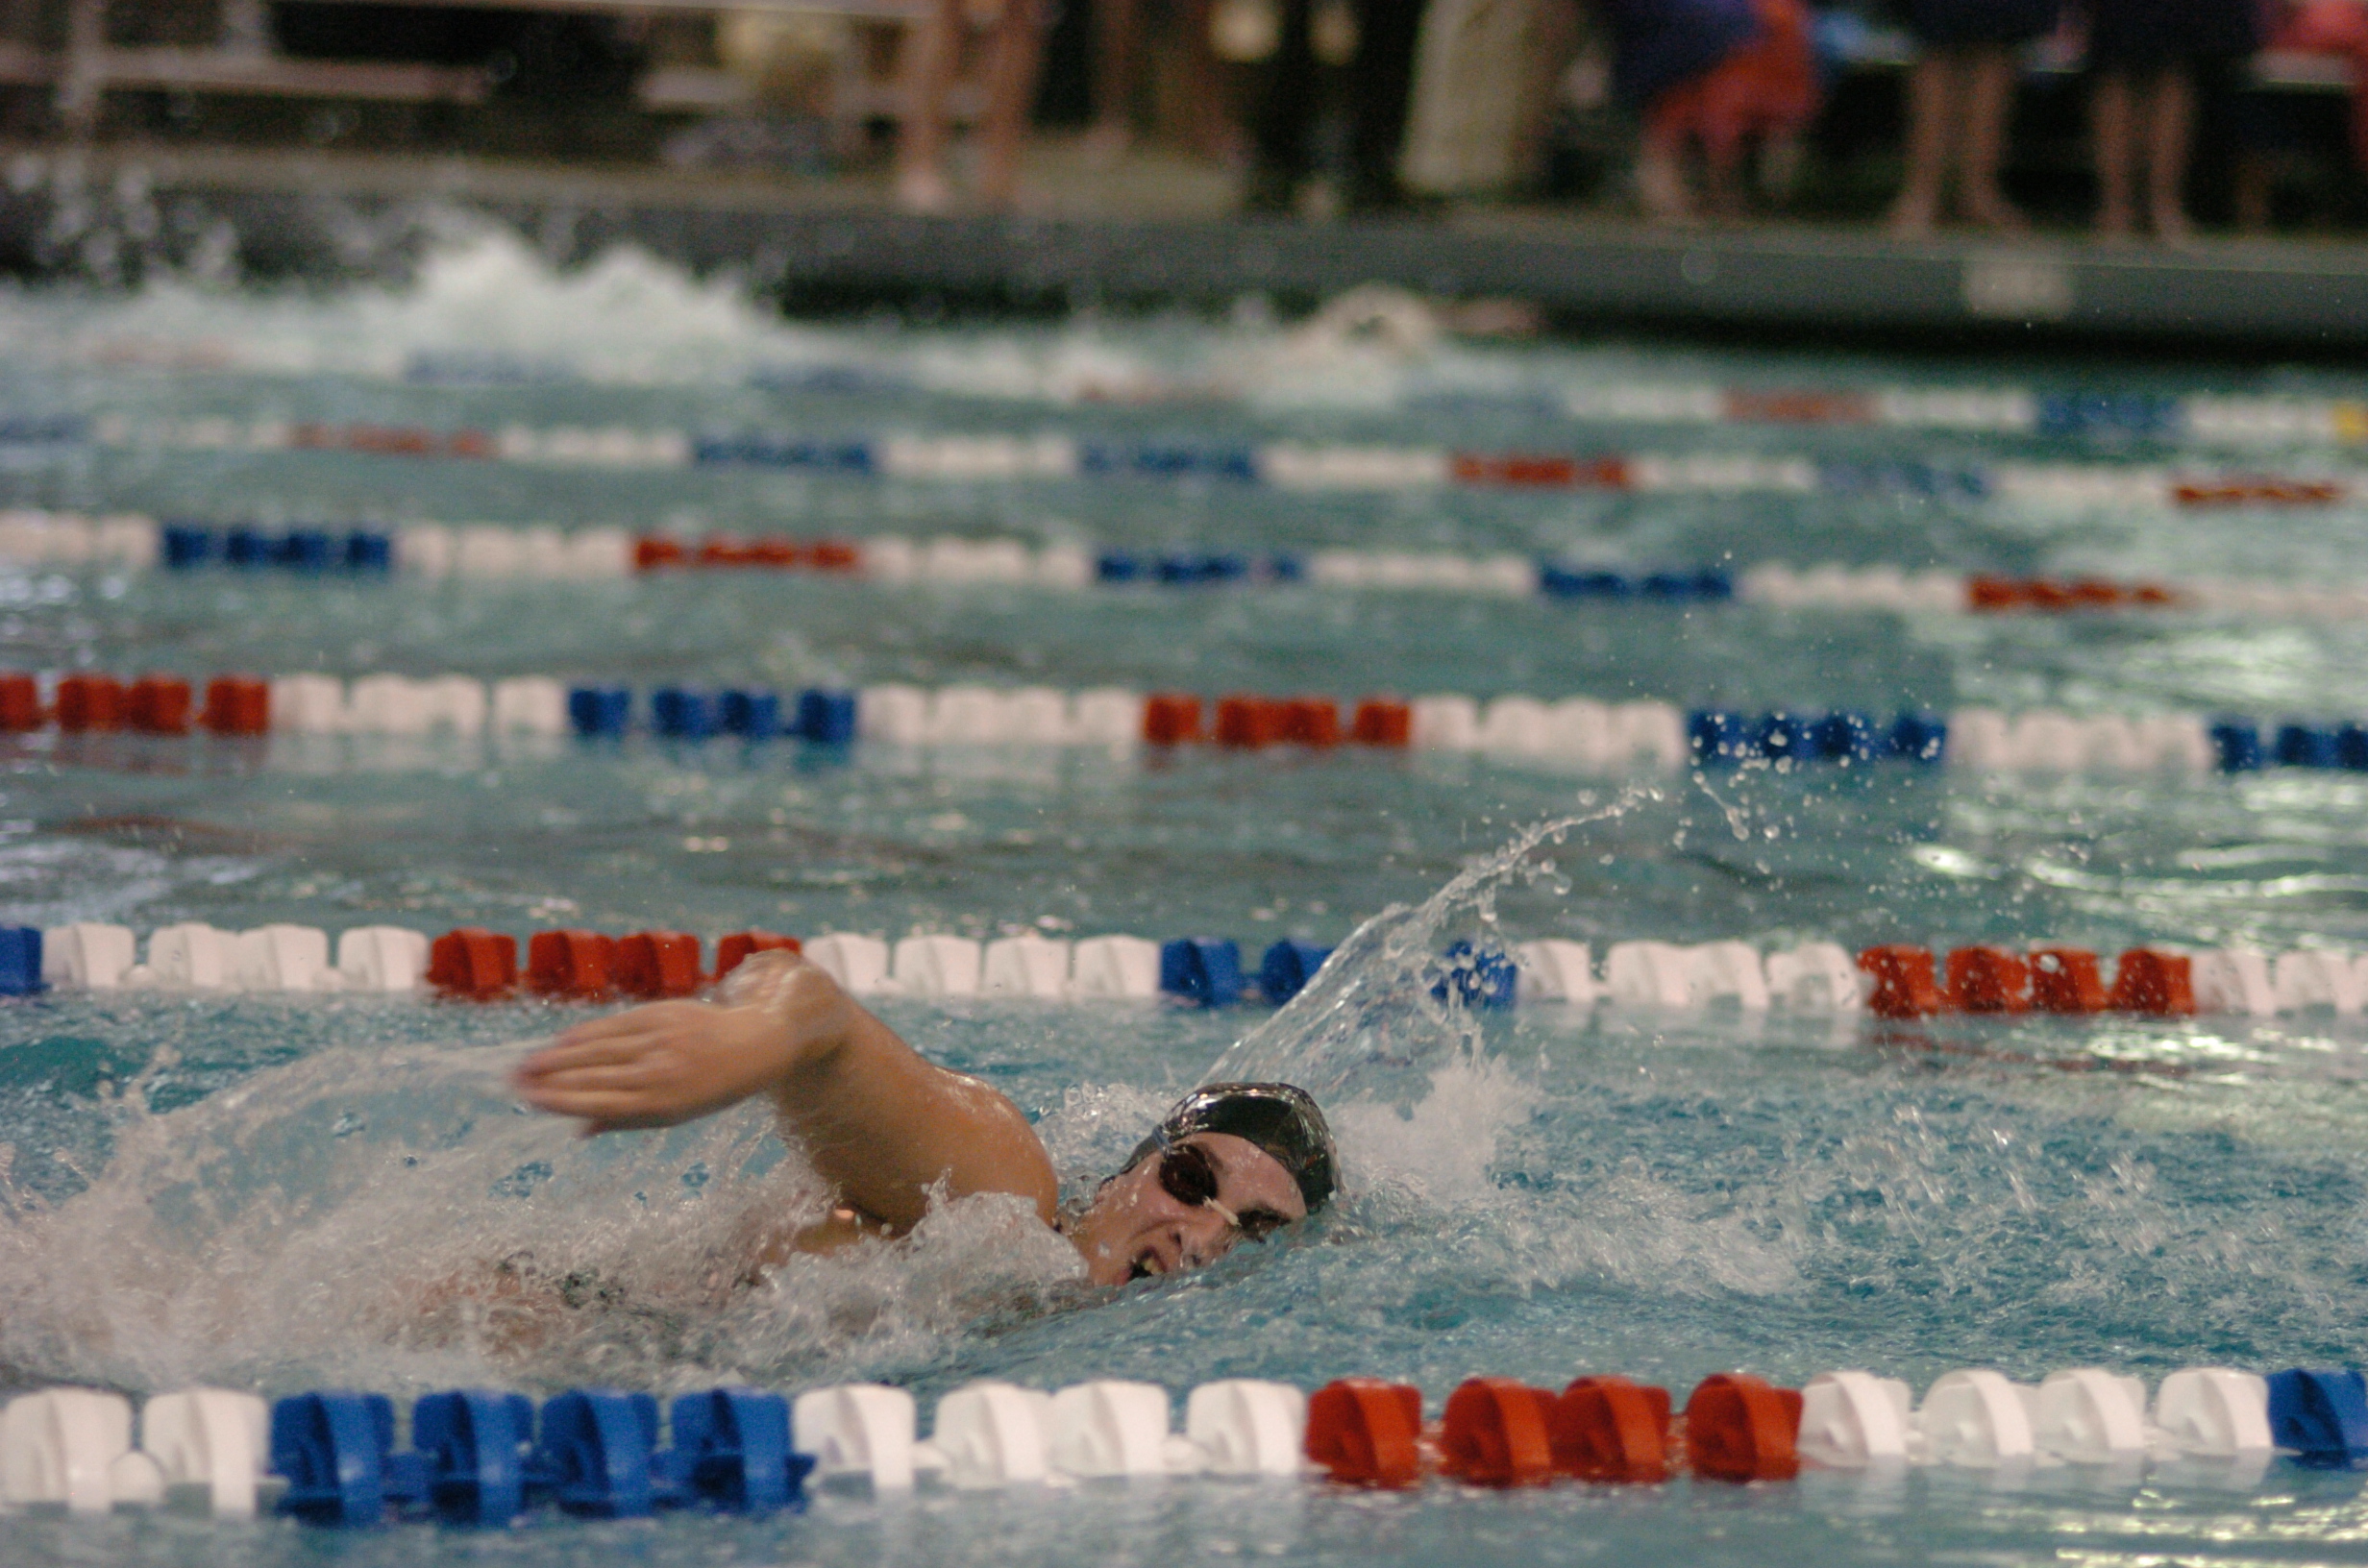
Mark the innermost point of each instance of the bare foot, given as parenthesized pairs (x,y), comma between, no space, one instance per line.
(1992,211)
(1106,144)
(2171,225)
(1914,217)
(924,190)
(2115,224)
(1661,186)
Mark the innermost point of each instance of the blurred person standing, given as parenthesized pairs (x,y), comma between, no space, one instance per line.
(1380,71)
(1719,73)
(1960,99)
(932,55)
(1483,93)
(1118,71)
(2146,56)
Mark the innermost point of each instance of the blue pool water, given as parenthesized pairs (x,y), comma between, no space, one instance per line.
(279,1194)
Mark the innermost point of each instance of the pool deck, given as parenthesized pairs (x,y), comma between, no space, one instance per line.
(1162,229)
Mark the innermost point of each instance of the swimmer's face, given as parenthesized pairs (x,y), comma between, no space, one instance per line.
(1137,1227)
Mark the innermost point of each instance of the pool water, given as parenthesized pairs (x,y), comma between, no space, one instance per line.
(290,1192)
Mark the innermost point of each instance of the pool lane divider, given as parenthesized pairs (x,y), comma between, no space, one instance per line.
(1283,465)
(2059,413)
(485,1459)
(1574,733)
(496,552)
(1896,981)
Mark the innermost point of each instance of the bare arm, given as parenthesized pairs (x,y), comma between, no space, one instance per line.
(881,1125)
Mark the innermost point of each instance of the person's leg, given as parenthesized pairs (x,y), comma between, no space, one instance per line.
(930,53)
(1209,118)
(1724,121)
(1990,106)
(1286,113)
(1118,53)
(1382,81)
(1017,48)
(1932,103)
(2170,125)
(1661,171)
(2108,113)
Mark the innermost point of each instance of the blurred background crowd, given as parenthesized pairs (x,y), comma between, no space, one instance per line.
(2137,119)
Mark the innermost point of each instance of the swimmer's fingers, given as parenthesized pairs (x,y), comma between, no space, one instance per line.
(566,1057)
(649,1073)
(628,1036)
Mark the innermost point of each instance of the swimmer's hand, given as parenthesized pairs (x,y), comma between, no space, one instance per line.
(887,1130)
(657,1065)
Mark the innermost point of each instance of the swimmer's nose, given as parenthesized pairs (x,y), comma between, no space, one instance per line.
(1204,1238)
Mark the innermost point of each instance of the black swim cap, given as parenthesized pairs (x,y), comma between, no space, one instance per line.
(1280,1118)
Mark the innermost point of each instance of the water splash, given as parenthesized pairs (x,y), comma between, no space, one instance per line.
(391,1219)
(1380,1020)
(394,1220)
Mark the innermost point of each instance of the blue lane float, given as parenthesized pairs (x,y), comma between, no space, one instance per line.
(1478,977)
(311,551)
(731,1452)
(335,1450)
(1202,969)
(474,1446)
(2321,1417)
(1720,738)
(1557,580)
(681,713)
(1287,967)
(598,712)
(483,1457)
(596,1451)
(20,961)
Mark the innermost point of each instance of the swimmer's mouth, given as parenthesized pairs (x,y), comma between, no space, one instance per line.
(1145,1267)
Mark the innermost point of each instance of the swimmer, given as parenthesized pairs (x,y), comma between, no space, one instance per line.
(891,1133)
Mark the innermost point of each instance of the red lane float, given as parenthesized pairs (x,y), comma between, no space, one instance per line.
(1170,719)
(1520,471)
(1992,594)
(2064,980)
(392,440)
(2259,492)
(737,949)
(1613,1430)
(1497,1432)
(2158,983)
(1986,980)
(20,703)
(1250,723)
(95,703)
(89,703)
(574,965)
(158,705)
(1786,407)
(774,552)
(1738,1428)
(1903,982)
(236,706)
(653,964)
(1367,1433)
(474,963)
(1383,722)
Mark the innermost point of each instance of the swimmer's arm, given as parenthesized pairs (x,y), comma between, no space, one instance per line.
(881,1125)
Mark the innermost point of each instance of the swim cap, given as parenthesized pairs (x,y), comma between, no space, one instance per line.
(1280,1118)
